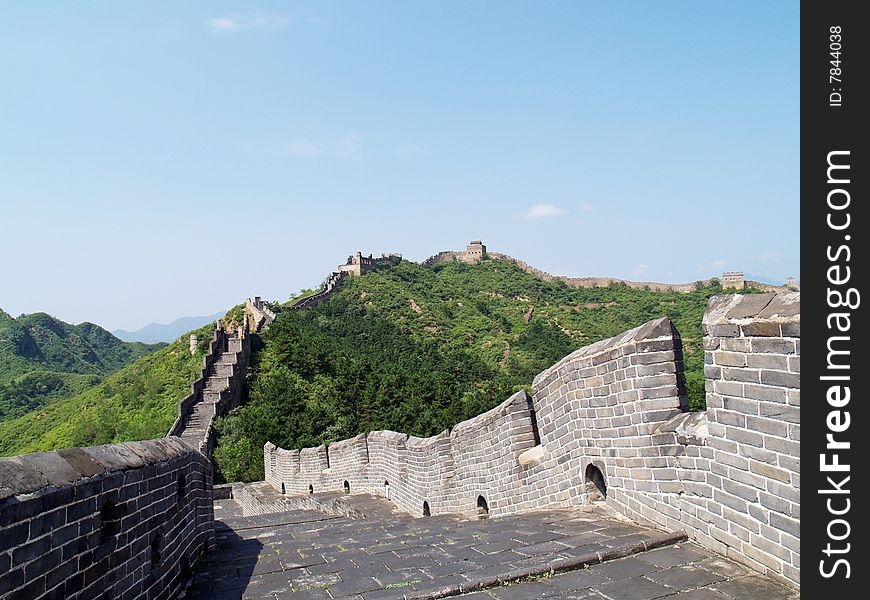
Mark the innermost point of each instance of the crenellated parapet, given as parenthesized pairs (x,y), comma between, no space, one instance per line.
(609,422)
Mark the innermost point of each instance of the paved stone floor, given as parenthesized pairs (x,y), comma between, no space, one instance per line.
(305,554)
(680,572)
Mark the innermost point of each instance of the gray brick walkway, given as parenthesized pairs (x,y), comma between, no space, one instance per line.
(306,554)
(681,572)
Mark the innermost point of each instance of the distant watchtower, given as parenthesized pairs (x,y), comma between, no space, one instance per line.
(474,252)
(792,283)
(733,280)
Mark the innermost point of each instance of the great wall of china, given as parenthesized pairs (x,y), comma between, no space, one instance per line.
(132,520)
(476,251)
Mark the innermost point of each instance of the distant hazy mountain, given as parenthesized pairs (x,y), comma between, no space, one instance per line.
(159,332)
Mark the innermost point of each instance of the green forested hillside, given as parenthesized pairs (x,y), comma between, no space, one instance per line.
(136,402)
(417,349)
(43,359)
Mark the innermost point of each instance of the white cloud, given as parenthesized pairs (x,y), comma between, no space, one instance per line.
(639,270)
(539,211)
(235,22)
(717,264)
(588,208)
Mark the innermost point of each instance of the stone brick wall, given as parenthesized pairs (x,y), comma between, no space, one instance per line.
(752,355)
(609,420)
(328,288)
(598,408)
(261,315)
(357,264)
(447,471)
(123,521)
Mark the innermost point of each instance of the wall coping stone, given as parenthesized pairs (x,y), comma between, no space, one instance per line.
(742,309)
(386,434)
(651,330)
(31,473)
(483,419)
(348,442)
(418,442)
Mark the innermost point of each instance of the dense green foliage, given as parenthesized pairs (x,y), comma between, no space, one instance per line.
(140,401)
(418,349)
(38,388)
(43,359)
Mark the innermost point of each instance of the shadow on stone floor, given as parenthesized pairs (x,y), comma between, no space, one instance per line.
(226,572)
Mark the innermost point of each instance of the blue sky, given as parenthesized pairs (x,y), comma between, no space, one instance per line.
(163,159)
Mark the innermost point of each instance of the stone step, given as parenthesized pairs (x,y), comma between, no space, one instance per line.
(221,370)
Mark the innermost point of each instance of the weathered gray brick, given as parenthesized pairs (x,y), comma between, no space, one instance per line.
(765,393)
(742,405)
(743,436)
(790,380)
(744,375)
(729,359)
(791,526)
(768,361)
(773,345)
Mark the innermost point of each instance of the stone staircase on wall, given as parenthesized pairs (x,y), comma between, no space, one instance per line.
(219,391)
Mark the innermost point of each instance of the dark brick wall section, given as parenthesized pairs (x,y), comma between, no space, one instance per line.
(119,522)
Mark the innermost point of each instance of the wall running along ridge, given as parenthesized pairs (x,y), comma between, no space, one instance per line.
(324,294)
(356,265)
(123,521)
(261,315)
(729,476)
(590,282)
